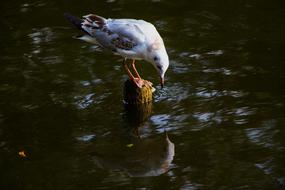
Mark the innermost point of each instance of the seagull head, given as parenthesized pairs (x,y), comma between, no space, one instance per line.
(160,61)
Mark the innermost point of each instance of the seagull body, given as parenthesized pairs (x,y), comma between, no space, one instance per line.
(130,38)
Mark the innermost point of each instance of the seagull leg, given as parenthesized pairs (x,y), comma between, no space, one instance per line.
(146,82)
(134,68)
(128,70)
(137,81)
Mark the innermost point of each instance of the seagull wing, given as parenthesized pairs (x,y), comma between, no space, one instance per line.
(112,33)
(128,28)
(132,35)
(123,36)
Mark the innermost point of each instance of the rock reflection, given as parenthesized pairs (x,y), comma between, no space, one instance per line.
(146,157)
(137,114)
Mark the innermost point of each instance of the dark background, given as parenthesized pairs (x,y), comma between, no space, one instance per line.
(223,104)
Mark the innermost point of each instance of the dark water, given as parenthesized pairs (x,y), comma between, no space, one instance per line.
(222,107)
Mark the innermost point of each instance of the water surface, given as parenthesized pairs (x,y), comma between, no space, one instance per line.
(222,107)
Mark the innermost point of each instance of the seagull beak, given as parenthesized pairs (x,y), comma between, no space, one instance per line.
(161,82)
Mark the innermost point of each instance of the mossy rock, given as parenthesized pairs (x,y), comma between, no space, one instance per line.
(136,95)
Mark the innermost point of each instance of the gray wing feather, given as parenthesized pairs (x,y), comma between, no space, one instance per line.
(118,35)
(127,28)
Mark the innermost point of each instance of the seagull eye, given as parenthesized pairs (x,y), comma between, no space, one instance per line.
(155,58)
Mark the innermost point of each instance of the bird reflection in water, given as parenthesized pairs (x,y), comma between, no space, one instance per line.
(150,156)
(147,157)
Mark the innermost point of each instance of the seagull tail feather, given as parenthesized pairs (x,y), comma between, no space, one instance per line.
(77,22)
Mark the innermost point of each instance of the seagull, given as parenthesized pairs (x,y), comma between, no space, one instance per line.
(130,38)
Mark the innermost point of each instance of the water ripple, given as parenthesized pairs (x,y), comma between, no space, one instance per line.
(174,92)
(263,136)
(84,101)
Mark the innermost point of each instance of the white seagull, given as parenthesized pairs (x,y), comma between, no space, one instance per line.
(130,38)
